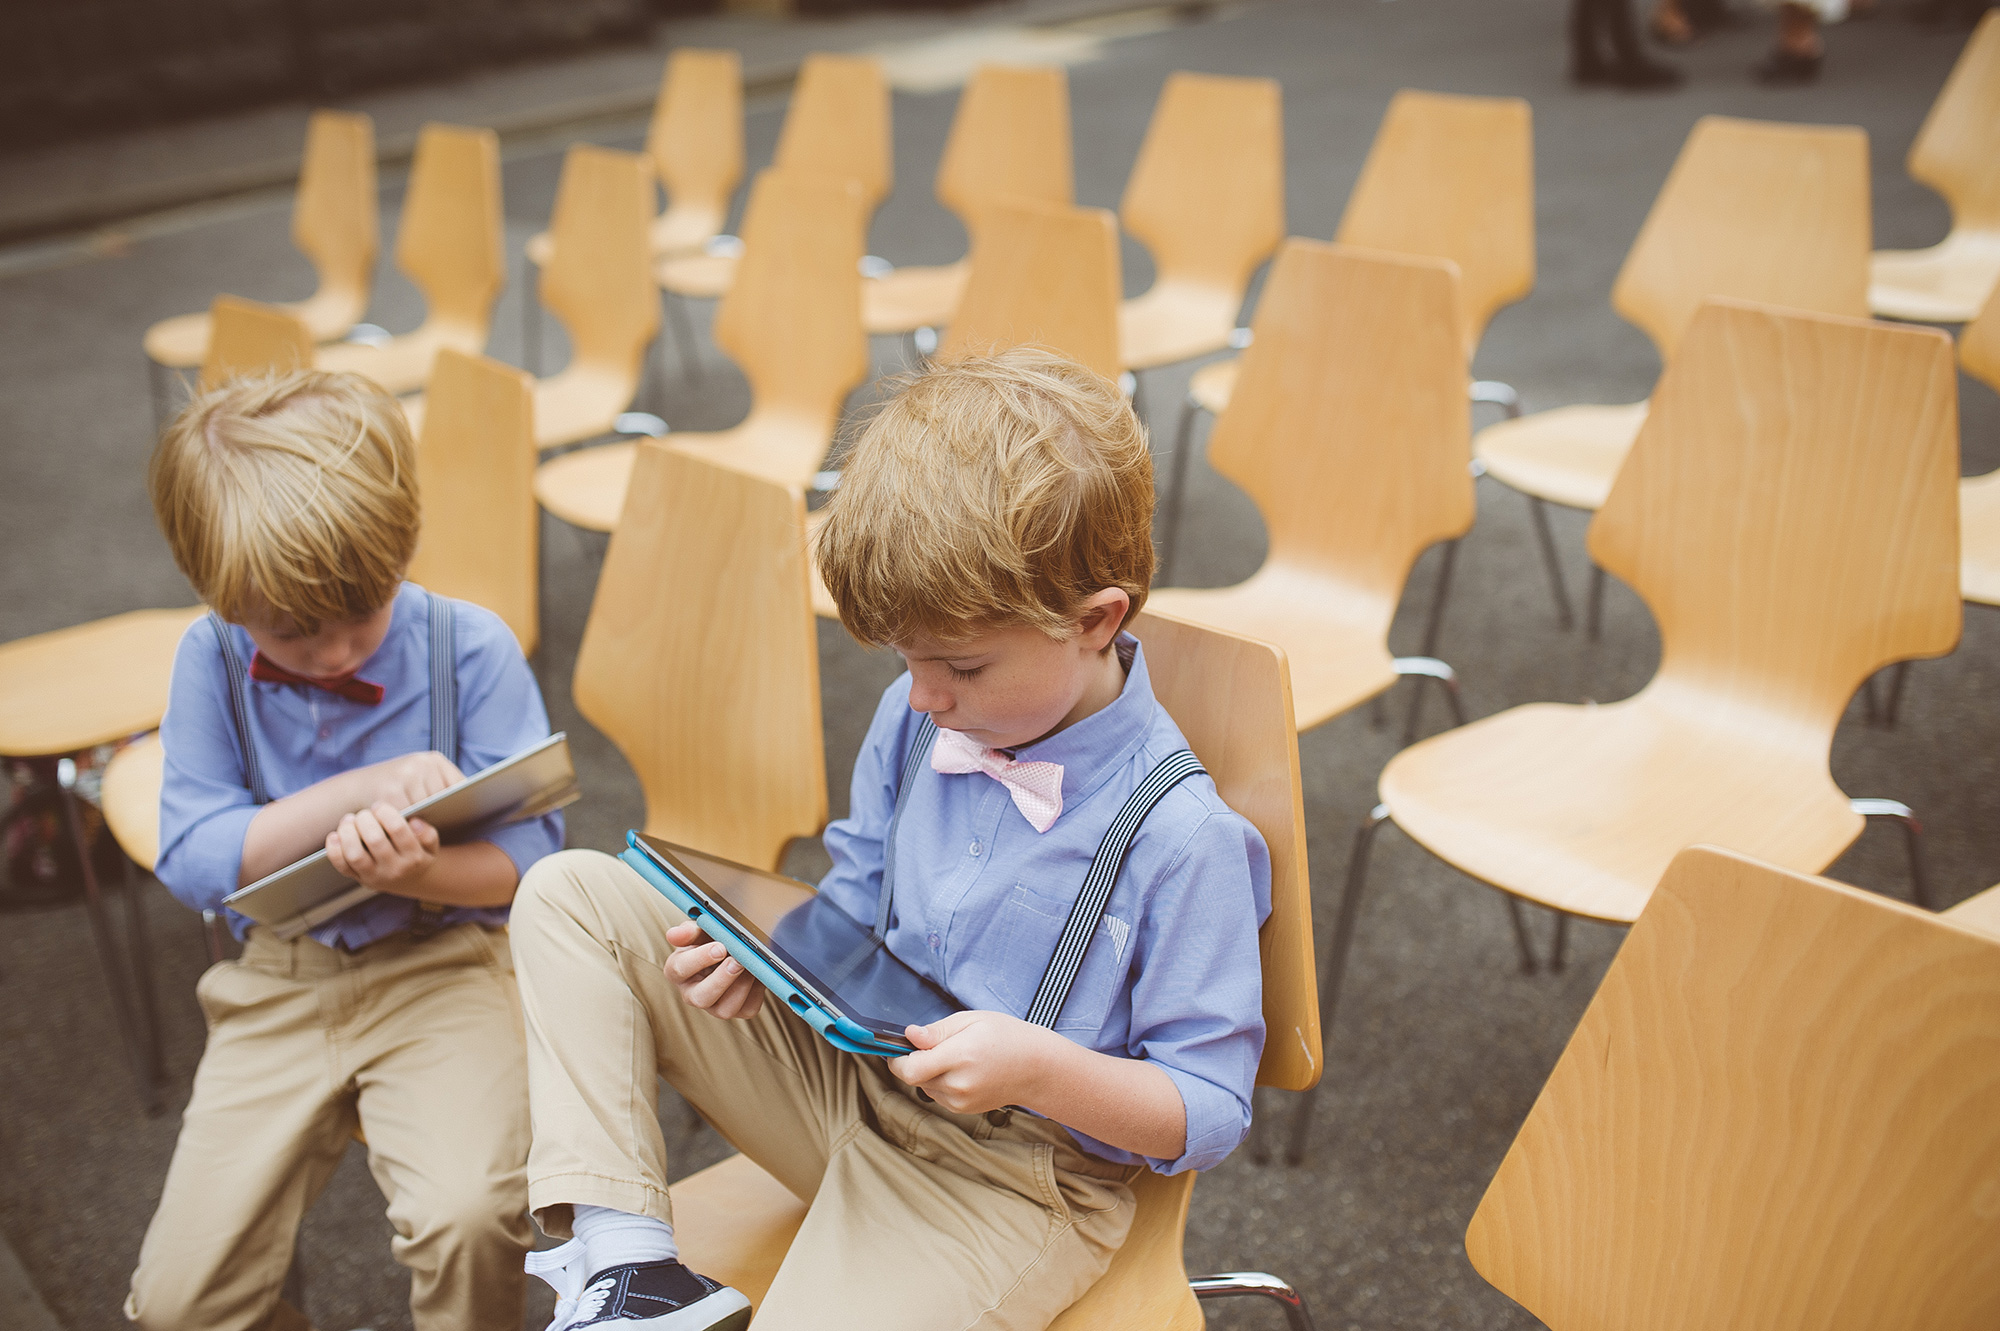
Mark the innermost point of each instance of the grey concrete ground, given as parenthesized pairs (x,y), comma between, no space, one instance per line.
(1441,1046)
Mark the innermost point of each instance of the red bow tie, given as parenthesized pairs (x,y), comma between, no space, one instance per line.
(350,688)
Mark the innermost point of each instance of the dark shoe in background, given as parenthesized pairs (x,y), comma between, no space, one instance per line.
(1784,69)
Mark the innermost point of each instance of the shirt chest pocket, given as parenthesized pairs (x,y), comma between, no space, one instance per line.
(1027,927)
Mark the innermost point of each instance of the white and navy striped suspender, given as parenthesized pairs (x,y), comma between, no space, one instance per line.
(1090,904)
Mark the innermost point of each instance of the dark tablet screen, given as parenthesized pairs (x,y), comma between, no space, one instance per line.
(822,949)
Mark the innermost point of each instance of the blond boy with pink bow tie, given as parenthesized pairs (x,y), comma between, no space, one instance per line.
(993,526)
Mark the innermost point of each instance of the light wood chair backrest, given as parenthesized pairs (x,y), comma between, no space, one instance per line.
(696,135)
(1781,1109)
(1207,193)
(249,337)
(1010,140)
(599,280)
(1752,210)
(1453,177)
(476,473)
(701,661)
(1790,512)
(335,222)
(1042,274)
(1350,427)
(838,125)
(792,317)
(450,242)
(1979,341)
(1232,698)
(1957,152)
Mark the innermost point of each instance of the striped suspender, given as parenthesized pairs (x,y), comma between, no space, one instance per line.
(1081,926)
(1090,903)
(239,708)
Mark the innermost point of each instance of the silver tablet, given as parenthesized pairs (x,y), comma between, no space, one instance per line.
(302,895)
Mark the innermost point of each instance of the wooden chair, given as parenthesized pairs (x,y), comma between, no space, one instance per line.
(1207,198)
(601,288)
(1956,153)
(1790,515)
(449,245)
(1350,431)
(334,225)
(1979,496)
(696,143)
(476,472)
(129,797)
(1010,141)
(1781,1109)
(1981,911)
(792,320)
(1447,177)
(700,659)
(1752,210)
(62,694)
(838,126)
(249,338)
(1231,699)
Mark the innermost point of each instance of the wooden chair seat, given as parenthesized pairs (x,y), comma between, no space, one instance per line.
(587,488)
(1569,455)
(1582,808)
(130,798)
(1212,386)
(577,403)
(1979,538)
(71,689)
(911,298)
(1980,911)
(404,363)
(701,276)
(1947,283)
(1175,321)
(679,232)
(182,341)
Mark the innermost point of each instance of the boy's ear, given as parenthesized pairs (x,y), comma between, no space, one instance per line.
(1104,613)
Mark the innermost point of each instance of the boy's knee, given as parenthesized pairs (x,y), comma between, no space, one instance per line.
(469,1216)
(558,886)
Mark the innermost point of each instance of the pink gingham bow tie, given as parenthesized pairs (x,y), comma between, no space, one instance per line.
(1036,787)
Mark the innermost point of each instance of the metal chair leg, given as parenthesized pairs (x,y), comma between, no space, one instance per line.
(140,947)
(1913,832)
(1260,1285)
(685,336)
(212,930)
(107,955)
(531,320)
(1594,616)
(1521,940)
(1422,668)
(158,381)
(1170,534)
(1565,618)
(1336,965)
(1559,953)
(1493,393)
(1899,674)
(1434,623)
(1260,1146)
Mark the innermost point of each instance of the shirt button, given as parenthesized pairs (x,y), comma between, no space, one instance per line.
(973,849)
(934,941)
(326,732)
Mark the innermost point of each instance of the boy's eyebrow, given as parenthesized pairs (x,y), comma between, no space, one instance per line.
(943,656)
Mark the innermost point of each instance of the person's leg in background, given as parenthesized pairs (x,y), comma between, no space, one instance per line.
(1798,52)
(1592,23)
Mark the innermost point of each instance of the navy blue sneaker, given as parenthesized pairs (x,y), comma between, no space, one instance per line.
(663,1295)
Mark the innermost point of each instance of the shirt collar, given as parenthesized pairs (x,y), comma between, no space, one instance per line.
(1103,742)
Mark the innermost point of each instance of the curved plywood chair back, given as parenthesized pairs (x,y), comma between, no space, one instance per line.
(1790,511)
(599,280)
(450,240)
(696,135)
(838,125)
(701,662)
(1979,341)
(792,317)
(1453,178)
(1349,426)
(1752,210)
(476,470)
(1782,1108)
(1207,194)
(1956,150)
(249,337)
(1043,275)
(1009,140)
(334,214)
(1232,698)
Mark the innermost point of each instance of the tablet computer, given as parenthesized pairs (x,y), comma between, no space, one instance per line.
(306,893)
(818,960)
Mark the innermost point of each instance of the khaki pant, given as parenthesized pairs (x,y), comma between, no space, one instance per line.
(416,1043)
(920,1219)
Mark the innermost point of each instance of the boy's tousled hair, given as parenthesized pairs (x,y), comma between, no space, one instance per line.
(297,488)
(987,493)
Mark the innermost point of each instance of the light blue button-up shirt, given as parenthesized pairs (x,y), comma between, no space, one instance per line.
(1172,975)
(305,734)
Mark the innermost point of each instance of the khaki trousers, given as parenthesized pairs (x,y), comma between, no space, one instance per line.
(920,1219)
(416,1043)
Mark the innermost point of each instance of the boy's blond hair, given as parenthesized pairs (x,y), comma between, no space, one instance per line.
(987,493)
(298,489)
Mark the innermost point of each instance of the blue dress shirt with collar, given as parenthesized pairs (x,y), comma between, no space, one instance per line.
(1173,973)
(305,734)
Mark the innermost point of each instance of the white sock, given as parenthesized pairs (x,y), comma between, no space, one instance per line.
(615,1238)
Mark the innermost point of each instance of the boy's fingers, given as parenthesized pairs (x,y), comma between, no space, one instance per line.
(688,962)
(686,934)
(350,844)
(705,991)
(395,828)
(369,832)
(334,854)
(427,836)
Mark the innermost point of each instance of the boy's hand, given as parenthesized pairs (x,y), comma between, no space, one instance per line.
(708,977)
(401,782)
(971,1062)
(379,848)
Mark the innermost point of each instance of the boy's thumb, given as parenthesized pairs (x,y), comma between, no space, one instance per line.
(923,1037)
